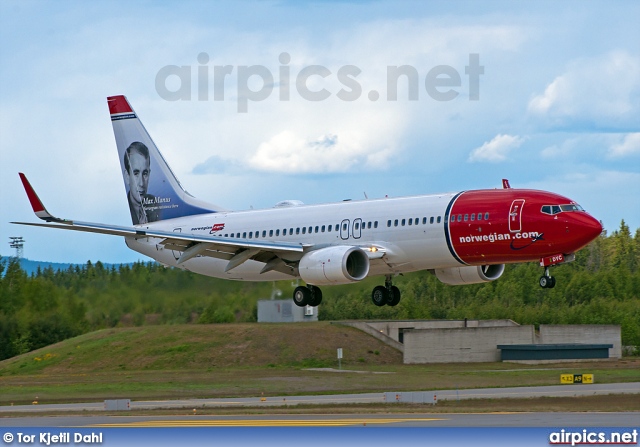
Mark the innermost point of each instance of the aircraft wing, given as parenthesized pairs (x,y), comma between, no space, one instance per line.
(236,251)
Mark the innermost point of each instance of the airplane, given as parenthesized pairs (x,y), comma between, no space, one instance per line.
(463,237)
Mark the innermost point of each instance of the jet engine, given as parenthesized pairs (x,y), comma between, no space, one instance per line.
(341,264)
(470,275)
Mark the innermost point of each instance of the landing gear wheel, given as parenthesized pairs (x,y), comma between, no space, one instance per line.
(394,297)
(544,282)
(552,282)
(547,282)
(315,296)
(379,296)
(301,296)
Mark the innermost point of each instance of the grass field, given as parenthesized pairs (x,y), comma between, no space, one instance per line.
(206,361)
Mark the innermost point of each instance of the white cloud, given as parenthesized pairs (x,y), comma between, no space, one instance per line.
(598,92)
(496,150)
(288,152)
(630,145)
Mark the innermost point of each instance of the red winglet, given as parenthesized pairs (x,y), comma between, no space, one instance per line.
(505,184)
(118,104)
(36,203)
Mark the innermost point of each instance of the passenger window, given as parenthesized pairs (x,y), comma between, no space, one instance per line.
(439,219)
(226,235)
(479,216)
(466,217)
(270,233)
(290,231)
(431,220)
(244,235)
(403,222)
(317,229)
(298,230)
(344,227)
(486,216)
(388,223)
(473,217)
(278,232)
(410,221)
(357,225)
(304,230)
(322,228)
(395,223)
(375,224)
(250,234)
(329,229)
(424,221)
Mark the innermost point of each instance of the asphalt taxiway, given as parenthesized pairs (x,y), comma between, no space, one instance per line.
(186,411)
(364,398)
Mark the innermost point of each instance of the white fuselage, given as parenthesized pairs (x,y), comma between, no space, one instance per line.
(417,244)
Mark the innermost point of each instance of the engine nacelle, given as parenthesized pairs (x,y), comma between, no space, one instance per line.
(341,264)
(470,275)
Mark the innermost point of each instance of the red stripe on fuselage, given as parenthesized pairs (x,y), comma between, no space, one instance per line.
(516,229)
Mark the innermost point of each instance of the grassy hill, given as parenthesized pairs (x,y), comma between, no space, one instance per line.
(202,347)
(229,360)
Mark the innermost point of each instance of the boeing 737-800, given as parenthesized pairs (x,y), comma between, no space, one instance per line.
(462,237)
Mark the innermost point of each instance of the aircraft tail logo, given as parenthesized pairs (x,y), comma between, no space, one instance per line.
(153,191)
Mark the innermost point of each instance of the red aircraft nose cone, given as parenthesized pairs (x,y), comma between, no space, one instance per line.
(587,228)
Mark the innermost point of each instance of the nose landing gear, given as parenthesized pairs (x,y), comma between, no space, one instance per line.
(547,281)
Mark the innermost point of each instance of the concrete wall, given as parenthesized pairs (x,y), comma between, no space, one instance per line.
(371,330)
(583,333)
(462,345)
(394,328)
(283,311)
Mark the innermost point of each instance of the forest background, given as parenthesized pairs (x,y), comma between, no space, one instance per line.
(602,286)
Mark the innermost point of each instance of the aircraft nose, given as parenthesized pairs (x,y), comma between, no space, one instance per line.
(587,228)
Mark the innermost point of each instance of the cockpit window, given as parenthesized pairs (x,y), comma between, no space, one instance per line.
(571,207)
(557,209)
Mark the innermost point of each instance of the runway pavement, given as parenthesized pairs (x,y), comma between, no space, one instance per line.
(592,419)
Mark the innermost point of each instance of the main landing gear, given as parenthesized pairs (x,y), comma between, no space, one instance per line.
(307,295)
(547,281)
(387,294)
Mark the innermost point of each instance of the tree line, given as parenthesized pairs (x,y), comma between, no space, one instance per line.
(602,286)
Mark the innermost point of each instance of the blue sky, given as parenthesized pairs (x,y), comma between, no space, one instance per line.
(558,105)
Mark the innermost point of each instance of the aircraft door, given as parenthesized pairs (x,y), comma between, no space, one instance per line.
(344,229)
(515,216)
(356,228)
